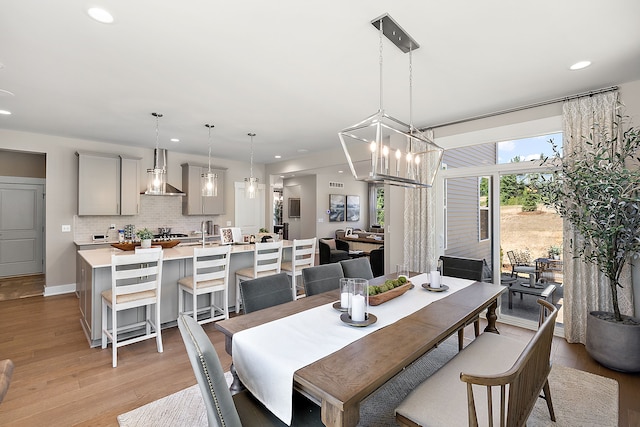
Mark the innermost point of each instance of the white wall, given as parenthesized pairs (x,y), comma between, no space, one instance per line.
(61,188)
(325,228)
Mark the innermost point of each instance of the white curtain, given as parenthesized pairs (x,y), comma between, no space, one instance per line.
(420,224)
(586,289)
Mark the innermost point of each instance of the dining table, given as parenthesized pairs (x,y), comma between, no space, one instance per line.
(339,373)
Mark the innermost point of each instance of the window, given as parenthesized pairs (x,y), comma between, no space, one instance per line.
(444,216)
(484,228)
(376,205)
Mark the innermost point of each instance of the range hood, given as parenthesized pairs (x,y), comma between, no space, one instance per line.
(160,168)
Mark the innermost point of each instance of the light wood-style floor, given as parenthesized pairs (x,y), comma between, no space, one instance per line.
(60,381)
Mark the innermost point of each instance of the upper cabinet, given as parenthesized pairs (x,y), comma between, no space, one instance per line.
(194,203)
(129,185)
(108,184)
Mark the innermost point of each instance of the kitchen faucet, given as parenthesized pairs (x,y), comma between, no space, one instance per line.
(203,228)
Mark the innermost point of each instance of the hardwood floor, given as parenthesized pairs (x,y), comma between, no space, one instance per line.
(21,286)
(60,381)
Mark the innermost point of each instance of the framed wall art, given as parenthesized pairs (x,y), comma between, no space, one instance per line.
(336,207)
(353,208)
(294,207)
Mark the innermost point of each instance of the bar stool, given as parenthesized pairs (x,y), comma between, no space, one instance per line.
(135,282)
(210,276)
(266,261)
(303,254)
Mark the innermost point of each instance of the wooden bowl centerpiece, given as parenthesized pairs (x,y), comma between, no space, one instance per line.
(390,289)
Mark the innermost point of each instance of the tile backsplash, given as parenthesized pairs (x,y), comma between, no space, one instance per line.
(155,211)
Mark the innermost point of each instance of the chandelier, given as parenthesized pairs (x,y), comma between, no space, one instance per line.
(383,149)
(157,176)
(209,180)
(251,183)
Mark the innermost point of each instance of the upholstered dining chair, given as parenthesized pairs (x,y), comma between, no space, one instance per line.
(376,257)
(267,259)
(464,268)
(265,292)
(322,278)
(303,255)
(210,276)
(357,268)
(241,409)
(6,372)
(135,282)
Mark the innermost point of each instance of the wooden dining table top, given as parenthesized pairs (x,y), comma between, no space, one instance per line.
(341,380)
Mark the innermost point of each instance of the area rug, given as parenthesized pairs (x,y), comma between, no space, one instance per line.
(579,399)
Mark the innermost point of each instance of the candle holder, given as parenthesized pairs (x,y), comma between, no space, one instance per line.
(359,300)
(346,290)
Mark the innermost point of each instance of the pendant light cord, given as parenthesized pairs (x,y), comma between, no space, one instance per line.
(251,134)
(380,61)
(209,127)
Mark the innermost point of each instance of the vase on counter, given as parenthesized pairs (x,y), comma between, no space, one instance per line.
(145,243)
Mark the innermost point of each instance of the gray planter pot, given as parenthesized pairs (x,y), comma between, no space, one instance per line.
(615,345)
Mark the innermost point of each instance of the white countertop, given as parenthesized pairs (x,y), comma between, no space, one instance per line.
(102,257)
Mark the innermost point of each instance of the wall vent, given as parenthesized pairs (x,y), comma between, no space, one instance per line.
(336,184)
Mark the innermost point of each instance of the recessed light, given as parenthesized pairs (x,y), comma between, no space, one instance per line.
(580,65)
(174,140)
(5,112)
(100,15)
(340,171)
(277,156)
(281,176)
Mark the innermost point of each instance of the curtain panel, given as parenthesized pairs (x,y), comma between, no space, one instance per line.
(420,224)
(586,288)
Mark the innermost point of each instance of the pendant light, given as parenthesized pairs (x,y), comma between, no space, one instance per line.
(209,180)
(251,183)
(157,176)
(382,149)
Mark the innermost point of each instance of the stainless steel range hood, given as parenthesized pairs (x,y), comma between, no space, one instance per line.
(160,163)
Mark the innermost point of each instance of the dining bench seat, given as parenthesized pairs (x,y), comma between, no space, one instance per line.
(514,370)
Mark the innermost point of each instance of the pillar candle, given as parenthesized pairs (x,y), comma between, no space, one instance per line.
(357,308)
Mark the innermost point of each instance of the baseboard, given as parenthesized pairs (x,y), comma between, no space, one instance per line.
(59,289)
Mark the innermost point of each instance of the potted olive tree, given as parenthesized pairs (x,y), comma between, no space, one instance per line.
(598,191)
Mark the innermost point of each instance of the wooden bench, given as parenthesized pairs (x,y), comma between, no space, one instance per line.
(495,380)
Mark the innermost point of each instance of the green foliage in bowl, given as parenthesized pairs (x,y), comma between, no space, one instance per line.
(386,286)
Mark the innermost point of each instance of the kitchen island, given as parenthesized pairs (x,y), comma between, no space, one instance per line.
(93,275)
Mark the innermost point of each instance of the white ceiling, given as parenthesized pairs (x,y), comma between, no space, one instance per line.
(294,72)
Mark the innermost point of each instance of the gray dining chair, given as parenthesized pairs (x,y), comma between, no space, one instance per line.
(242,409)
(265,292)
(357,268)
(464,268)
(321,278)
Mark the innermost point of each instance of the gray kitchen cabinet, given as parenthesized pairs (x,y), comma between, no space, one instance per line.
(194,203)
(84,289)
(108,184)
(129,185)
(98,184)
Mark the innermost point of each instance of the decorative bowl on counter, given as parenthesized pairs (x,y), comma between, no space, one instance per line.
(130,246)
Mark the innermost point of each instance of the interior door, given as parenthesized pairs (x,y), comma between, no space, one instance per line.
(21,229)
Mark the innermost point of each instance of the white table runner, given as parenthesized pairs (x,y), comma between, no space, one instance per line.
(267,356)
